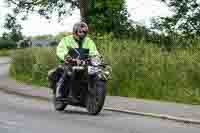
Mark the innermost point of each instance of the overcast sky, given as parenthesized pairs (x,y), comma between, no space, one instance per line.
(140,10)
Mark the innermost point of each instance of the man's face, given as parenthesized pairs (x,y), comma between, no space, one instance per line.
(82,33)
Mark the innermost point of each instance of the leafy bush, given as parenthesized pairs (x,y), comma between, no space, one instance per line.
(5,44)
(139,70)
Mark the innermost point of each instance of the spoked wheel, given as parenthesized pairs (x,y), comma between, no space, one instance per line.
(58,105)
(95,100)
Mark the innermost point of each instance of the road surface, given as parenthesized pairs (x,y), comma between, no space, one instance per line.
(22,115)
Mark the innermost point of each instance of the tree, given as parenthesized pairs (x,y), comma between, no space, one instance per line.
(102,15)
(5,36)
(185,18)
(14,28)
(109,16)
(47,7)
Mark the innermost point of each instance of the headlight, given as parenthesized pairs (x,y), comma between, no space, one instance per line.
(92,70)
(95,61)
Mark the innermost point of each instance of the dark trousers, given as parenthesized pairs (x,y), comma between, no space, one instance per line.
(65,77)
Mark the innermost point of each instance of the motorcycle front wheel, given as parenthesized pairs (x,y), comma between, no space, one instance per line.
(96,98)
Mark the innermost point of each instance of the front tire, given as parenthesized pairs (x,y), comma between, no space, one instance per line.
(95,100)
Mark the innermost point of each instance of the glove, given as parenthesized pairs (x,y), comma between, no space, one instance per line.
(67,59)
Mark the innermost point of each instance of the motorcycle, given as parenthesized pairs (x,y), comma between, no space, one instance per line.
(88,78)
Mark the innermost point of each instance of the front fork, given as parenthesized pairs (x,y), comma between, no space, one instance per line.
(92,79)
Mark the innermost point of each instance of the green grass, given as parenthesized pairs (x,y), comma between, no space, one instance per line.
(32,64)
(6,52)
(28,79)
(139,70)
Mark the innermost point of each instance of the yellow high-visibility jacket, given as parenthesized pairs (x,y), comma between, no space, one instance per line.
(69,42)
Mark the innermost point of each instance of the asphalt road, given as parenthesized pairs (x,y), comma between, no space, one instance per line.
(4,66)
(22,115)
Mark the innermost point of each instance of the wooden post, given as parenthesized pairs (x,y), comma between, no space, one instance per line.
(83,9)
(85,6)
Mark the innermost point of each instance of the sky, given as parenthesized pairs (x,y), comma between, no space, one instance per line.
(140,10)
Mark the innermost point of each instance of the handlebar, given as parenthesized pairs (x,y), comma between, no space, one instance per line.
(76,62)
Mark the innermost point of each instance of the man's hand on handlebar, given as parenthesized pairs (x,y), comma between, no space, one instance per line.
(69,59)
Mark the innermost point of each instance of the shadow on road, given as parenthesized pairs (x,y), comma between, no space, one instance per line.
(75,112)
(82,112)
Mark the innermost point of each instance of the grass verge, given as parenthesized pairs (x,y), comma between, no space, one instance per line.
(139,70)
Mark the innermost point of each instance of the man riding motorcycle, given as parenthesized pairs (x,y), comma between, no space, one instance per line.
(79,39)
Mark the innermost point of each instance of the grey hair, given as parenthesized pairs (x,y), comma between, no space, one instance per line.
(77,26)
